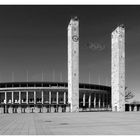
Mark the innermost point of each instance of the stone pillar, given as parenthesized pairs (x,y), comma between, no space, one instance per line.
(99,101)
(49,109)
(5,94)
(118,69)
(95,100)
(34,97)
(107,95)
(135,107)
(84,99)
(42,97)
(12,97)
(27,97)
(130,108)
(73,64)
(89,101)
(19,97)
(57,97)
(5,101)
(64,97)
(103,101)
(49,97)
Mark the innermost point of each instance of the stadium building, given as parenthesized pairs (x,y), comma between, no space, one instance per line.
(22,97)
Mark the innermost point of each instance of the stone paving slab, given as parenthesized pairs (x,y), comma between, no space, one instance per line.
(83,123)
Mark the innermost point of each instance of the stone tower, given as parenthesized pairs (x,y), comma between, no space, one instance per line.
(118,69)
(73,64)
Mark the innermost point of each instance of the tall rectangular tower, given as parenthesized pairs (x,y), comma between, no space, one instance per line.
(118,69)
(73,64)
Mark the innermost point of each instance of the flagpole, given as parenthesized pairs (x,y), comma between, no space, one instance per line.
(89,78)
(27,75)
(42,77)
(61,79)
(99,79)
(12,76)
(53,76)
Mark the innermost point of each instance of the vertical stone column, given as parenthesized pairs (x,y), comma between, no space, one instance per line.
(99,101)
(103,100)
(5,94)
(49,97)
(5,108)
(42,95)
(135,107)
(130,108)
(34,97)
(118,69)
(95,100)
(49,102)
(64,97)
(89,101)
(109,104)
(57,97)
(105,97)
(107,100)
(19,97)
(73,64)
(27,97)
(84,99)
(12,97)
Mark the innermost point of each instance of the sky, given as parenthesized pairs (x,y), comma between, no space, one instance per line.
(33,43)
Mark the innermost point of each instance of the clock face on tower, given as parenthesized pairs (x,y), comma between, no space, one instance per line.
(75,38)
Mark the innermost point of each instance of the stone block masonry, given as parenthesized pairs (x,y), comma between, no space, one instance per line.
(73,64)
(118,69)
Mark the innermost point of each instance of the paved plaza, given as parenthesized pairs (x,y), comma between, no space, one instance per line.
(83,123)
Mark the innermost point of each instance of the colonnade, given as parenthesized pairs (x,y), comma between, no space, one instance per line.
(134,107)
(96,101)
(20,101)
(55,101)
(52,100)
(25,102)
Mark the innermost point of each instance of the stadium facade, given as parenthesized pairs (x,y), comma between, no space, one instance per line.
(72,97)
(22,97)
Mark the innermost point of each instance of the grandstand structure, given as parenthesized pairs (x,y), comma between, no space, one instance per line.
(22,97)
